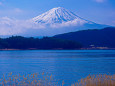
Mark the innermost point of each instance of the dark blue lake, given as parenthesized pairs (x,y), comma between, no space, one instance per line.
(67,65)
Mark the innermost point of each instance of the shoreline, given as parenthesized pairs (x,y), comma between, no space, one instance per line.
(57,49)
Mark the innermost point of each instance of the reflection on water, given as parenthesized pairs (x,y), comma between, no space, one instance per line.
(67,65)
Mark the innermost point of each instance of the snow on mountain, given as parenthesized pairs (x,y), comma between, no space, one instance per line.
(58,15)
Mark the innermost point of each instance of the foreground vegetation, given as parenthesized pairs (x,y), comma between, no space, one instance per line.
(28,80)
(47,80)
(18,42)
(97,80)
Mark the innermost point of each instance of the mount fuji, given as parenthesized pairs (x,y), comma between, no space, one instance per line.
(63,16)
(58,15)
(60,20)
(55,21)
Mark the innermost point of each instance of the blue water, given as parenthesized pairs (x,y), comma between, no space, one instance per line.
(67,65)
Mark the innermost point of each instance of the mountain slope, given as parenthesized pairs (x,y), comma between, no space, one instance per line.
(100,38)
(58,15)
(66,20)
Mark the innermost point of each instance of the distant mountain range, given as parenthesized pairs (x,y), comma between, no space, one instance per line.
(99,38)
(57,21)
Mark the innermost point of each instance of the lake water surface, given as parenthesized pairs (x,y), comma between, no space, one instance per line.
(67,65)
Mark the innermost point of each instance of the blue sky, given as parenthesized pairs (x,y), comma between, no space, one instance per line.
(99,11)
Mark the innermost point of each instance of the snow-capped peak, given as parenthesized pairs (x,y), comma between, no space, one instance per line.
(57,15)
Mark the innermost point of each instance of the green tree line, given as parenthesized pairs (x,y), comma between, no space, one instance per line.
(19,42)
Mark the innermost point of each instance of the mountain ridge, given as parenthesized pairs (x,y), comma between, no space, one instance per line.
(97,37)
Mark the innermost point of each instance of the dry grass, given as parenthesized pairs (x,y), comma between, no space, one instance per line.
(28,80)
(97,80)
(45,80)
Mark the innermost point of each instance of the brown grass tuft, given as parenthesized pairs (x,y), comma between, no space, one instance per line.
(28,80)
(97,80)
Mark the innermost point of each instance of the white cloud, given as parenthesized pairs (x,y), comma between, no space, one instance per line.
(76,22)
(10,26)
